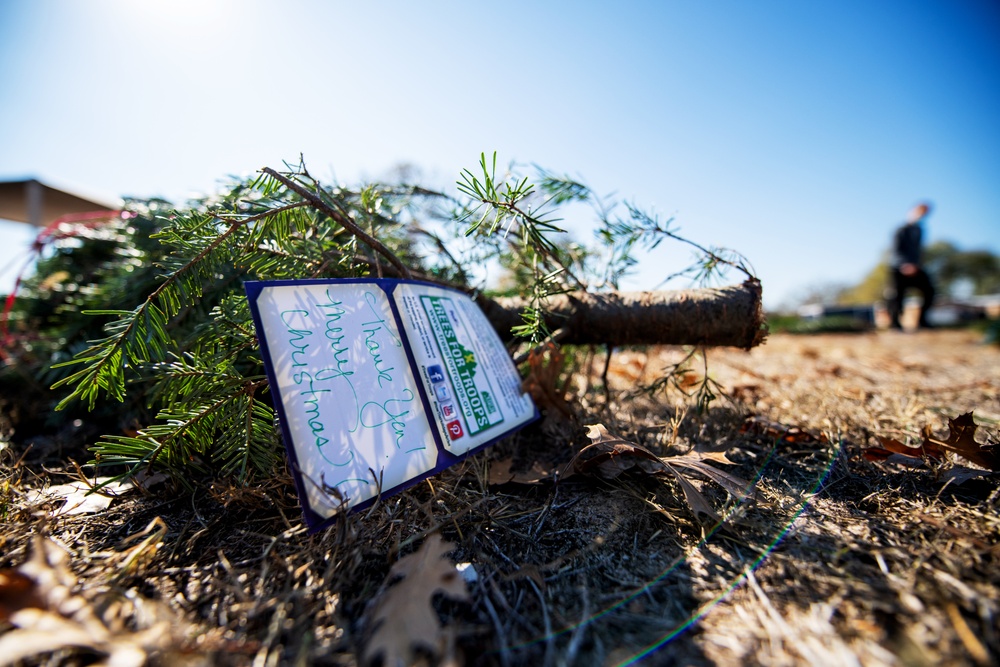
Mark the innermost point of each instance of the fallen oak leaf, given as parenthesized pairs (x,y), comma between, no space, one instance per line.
(17,591)
(609,460)
(77,497)
(709,454)
(403,616)
(962,474)
(84,496)
(906,461)
(695,499)
(737,487)
(46,615)
(48,571)
(962,440)
(892,448)
(609,456)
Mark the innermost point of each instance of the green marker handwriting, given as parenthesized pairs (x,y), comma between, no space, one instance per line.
(389,413)
(372,328)
(334,384)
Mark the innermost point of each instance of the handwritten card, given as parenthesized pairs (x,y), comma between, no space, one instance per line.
(379,384)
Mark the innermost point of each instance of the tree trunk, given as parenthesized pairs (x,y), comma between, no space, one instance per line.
(721,316)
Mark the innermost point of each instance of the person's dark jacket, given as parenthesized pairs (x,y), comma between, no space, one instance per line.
(907,245)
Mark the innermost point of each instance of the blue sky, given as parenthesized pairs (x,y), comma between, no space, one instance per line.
(798,133)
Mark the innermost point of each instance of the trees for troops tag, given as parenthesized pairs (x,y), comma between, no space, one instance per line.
(379,384)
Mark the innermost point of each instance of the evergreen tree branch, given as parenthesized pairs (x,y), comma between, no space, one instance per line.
(108,358)
(206,413)
(341,219)
(442,248)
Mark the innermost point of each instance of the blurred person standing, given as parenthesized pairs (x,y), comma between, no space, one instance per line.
(907,268)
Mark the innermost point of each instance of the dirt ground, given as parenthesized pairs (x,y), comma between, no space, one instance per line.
(830,559)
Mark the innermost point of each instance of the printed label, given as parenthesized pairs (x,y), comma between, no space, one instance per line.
(472,388)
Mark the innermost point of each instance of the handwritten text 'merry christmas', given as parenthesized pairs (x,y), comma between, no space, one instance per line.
(341,334)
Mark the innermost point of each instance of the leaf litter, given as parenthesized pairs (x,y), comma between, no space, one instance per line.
(46,611)
(961,440)
(829,553)
(403,616)
(85,496)
(609,456)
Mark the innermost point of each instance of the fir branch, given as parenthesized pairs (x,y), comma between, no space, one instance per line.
(502,199)
(108,358)
(443,250)
(151,443)
(341,219)
(648,227)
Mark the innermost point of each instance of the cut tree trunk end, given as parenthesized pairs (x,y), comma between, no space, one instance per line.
(729,316)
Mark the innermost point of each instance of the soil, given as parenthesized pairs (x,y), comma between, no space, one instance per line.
(830,559)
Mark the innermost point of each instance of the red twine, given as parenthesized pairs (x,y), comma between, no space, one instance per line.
(51,233)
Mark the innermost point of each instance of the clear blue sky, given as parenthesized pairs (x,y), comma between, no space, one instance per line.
(798,133)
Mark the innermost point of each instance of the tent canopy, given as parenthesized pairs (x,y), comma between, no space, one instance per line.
(37,204)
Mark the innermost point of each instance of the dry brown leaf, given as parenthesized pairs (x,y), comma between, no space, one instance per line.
(501,473)
(695,500)
(85,496)
(404,616)
(46,615)
(76,497)
(962,474)
(961,440)
(890,448)
(736,486)
(609,456)
(17,591)
(711,455)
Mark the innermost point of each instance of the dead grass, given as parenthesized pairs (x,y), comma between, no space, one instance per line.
(834,560)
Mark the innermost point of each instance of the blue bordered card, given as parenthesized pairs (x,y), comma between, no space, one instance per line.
(379,384)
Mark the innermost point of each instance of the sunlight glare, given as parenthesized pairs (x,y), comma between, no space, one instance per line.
(188,16)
